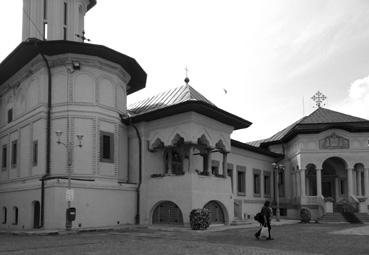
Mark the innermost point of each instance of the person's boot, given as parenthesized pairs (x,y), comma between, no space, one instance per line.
(257,236)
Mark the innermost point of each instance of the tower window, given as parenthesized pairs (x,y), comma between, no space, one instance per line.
(45,9)
(10,115)
(65,21)
(4,157)
(45,30)
(5,214)
(35,153)
(14,154)
(15,215)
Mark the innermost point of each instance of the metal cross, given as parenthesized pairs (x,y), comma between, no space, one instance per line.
(187,80)
(318,98)
(83,38)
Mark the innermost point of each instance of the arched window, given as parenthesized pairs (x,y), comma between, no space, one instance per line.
(15,215)
(5,215)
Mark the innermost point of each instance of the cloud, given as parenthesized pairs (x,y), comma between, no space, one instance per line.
(359,89)
(357,101)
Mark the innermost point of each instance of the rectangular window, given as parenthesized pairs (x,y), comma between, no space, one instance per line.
(241,180)
(267,184)
(10,115)
(5,215)
(14,154)
(4,162)
(35,153)
(257,182)
(106,147)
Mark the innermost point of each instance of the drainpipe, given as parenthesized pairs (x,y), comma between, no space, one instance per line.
(137,217)
(48,138)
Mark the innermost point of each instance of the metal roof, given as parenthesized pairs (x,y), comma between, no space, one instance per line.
(167,98)
(179,100)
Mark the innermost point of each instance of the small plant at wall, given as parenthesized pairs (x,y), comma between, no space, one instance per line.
(199,219)
(305,215)
(328,199)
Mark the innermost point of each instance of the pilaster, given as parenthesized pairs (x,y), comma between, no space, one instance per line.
(319,182)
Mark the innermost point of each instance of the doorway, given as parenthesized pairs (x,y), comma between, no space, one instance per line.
(36,214)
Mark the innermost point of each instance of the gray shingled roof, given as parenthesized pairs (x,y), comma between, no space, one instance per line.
(320,116)
(168,98)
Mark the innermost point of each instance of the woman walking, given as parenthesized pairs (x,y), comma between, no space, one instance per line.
(266,212)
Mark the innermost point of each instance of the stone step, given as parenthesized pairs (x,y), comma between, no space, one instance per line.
(345,217)
(237,222)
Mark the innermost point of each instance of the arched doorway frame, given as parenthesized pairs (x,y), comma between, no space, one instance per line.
(334,183)
(165,202)
(223,211)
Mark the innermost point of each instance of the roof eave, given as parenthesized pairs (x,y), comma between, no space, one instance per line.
(259,150)
(28,50)
(195,106)
(319,127)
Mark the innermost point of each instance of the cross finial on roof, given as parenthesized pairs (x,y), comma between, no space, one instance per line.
(82,37)
(187,80)
(318,98)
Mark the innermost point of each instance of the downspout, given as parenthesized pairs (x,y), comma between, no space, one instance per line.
(48,138)
(138,191)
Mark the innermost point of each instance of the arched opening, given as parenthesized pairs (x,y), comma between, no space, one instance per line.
(36,214)
(334,178)
(311,187)
(167,212)
(216,213)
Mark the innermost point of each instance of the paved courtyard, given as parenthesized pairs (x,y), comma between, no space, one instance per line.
(289,239)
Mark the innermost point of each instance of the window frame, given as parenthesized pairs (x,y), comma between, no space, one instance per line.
(15,215)
(4,158)
(267,174)
(111,147)
(35,153)
(10,115)
(256,174)
(14,154)
(241,170)
(5,215)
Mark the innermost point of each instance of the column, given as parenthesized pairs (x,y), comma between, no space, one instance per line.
(208,170)
(276,170)
(293,195)
(298,184)
(349,183)
(319,182)
(302,177)
(225,164)
(170,161)
(366,182)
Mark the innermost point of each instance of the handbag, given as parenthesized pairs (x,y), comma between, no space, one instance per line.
(264,232)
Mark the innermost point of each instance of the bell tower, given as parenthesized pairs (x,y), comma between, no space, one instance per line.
(55,19)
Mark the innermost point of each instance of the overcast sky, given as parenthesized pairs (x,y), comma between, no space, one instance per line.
(270,56)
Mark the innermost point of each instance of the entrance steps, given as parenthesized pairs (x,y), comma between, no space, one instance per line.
(237,222)
(345,217)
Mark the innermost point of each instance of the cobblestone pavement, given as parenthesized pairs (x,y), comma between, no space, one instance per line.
(299,239)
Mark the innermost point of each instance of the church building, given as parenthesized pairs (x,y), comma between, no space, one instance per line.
(74,155)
